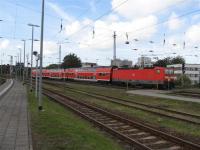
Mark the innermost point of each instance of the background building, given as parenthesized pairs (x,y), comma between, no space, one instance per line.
(144,62)
(191,70)
(89,64)
(121,63)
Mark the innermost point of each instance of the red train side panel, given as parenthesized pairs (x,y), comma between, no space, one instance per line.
(104,74)
(139,76)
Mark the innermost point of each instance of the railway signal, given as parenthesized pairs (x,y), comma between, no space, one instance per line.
(32,39)
(35,53)
(183,68)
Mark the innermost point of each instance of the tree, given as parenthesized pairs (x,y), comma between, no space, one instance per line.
(178,60)
(183,80)
(52,66)
(169,61)
(163,62)
(71,61)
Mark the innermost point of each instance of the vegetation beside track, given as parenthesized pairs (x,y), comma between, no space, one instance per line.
(184,106)
(163,122)
(57,128)
(2,80)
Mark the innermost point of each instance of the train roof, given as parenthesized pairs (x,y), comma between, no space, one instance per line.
(137,68)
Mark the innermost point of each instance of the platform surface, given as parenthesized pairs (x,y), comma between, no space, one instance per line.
(162,94)
(14,124)
(4,86)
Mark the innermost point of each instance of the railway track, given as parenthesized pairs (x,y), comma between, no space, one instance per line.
(178,115)
(101,84)
(138,136)
(189,94)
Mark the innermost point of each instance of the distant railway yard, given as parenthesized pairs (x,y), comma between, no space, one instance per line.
(119,120)
(100,75)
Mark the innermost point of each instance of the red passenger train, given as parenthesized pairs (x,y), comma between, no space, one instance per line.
(158,76)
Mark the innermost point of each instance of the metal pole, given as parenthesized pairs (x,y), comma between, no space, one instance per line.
(1,68)
(32,25)
(27,68)
(114,47)
(24,60)
(20,62)
(199,76)
(41,57)
(59,56)
(32,57)
(36,79)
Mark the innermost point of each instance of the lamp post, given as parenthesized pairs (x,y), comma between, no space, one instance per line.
(11,63)
(15,66)
(20,63)
(60,51)
(33,26)
(41,56)
(24,60)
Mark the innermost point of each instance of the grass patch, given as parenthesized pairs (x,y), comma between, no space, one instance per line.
(59,129)
(190,107)
(172,124)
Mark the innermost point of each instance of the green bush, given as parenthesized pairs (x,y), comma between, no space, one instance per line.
(183,81)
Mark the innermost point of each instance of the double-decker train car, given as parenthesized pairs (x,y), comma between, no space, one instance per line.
(159,76)
(104,74)
(69,73)
(86,74)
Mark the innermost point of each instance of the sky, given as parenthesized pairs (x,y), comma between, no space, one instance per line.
(154,28)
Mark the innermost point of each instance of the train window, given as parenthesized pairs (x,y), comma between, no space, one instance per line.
(169,71)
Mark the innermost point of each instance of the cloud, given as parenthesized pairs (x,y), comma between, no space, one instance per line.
(138,8)
(59,11)
(50,47)
(4,44)
(104,31)
(174,22)
(92,6)
(192,34)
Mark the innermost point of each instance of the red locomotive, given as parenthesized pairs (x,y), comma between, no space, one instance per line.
(159,76)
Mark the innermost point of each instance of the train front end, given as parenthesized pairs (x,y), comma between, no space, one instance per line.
(169,78)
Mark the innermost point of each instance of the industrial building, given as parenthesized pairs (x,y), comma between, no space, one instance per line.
(191,70)
(121,63)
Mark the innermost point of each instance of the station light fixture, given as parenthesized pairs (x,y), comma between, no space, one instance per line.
(174,44)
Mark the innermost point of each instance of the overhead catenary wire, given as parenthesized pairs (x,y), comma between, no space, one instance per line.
(96,29)
(104,14)
(116,7)
(165,21)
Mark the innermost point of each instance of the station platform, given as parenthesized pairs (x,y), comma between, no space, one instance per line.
(14,121)
(163,94)
(5,87)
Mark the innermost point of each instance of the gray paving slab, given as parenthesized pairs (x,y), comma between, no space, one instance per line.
(5,87)
(2,86)
(14,124)
(162,94)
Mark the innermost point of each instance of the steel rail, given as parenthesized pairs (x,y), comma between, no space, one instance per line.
(90,113)
(129,103)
